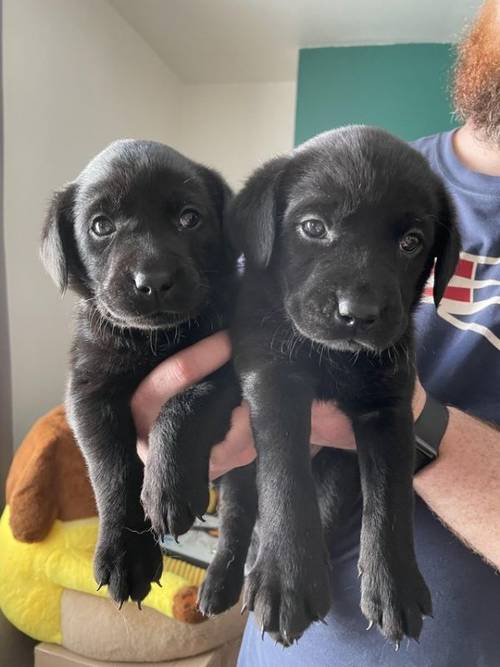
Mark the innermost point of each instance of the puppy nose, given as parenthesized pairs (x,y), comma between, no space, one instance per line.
(354,312)
(152,283)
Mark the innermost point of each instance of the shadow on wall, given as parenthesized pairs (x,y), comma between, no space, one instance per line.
(15,648)
(5,374)
(401,87)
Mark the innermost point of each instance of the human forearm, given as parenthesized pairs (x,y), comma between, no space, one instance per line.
(463,485)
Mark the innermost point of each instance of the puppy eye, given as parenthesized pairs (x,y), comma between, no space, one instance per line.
(315,229)
(102,226)
(189,218)
(410,244)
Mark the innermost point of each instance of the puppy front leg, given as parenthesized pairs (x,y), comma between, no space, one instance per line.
(127,556)
(393,592)
(288,585)
(222,586)
(175,489)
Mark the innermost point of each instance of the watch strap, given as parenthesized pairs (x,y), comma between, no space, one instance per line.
(429,430)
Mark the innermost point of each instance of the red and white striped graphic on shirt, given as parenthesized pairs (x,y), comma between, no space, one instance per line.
(474,286)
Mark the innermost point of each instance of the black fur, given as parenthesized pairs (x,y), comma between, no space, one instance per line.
(330,318)
(147,289)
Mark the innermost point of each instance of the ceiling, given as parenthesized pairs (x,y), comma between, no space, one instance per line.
(224,41)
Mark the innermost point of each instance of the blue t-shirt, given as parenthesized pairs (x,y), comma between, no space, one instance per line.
(459,363)
(459,348)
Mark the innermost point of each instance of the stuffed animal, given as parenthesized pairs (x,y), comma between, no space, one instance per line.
(48,533)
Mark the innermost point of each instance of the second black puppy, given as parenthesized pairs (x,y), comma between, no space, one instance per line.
(340,237)
(139,237)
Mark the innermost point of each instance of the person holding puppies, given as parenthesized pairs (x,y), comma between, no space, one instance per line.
(458,483)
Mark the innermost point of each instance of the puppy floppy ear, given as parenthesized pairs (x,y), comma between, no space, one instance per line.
(447,245)
(58,246)
(252,214)
(219,190)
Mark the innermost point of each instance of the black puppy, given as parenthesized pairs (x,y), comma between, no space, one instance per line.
(339,238)
(139,237)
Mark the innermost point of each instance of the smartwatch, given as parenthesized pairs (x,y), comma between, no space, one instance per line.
(429,430)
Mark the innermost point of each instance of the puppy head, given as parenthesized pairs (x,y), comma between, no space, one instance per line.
(140,234)
(350,224)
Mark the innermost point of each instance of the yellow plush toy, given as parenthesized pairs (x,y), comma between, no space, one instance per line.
(48,533)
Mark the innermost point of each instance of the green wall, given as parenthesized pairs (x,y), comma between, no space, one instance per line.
(401,87)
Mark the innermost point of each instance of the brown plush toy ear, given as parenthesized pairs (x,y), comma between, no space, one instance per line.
(30,485)
(48,480)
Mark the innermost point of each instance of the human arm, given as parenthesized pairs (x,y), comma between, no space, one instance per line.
(463,485)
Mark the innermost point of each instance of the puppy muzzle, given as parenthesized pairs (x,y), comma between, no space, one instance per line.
(345,323)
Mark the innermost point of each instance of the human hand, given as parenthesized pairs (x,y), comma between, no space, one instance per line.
(173,376)
(329,426)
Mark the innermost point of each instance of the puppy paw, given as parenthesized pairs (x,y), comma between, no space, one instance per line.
(128,565)
(222,586)
(287,595)
(396,604)
(172,502)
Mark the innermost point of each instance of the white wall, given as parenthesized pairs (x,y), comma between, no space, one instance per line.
(76,77)
(236,127)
